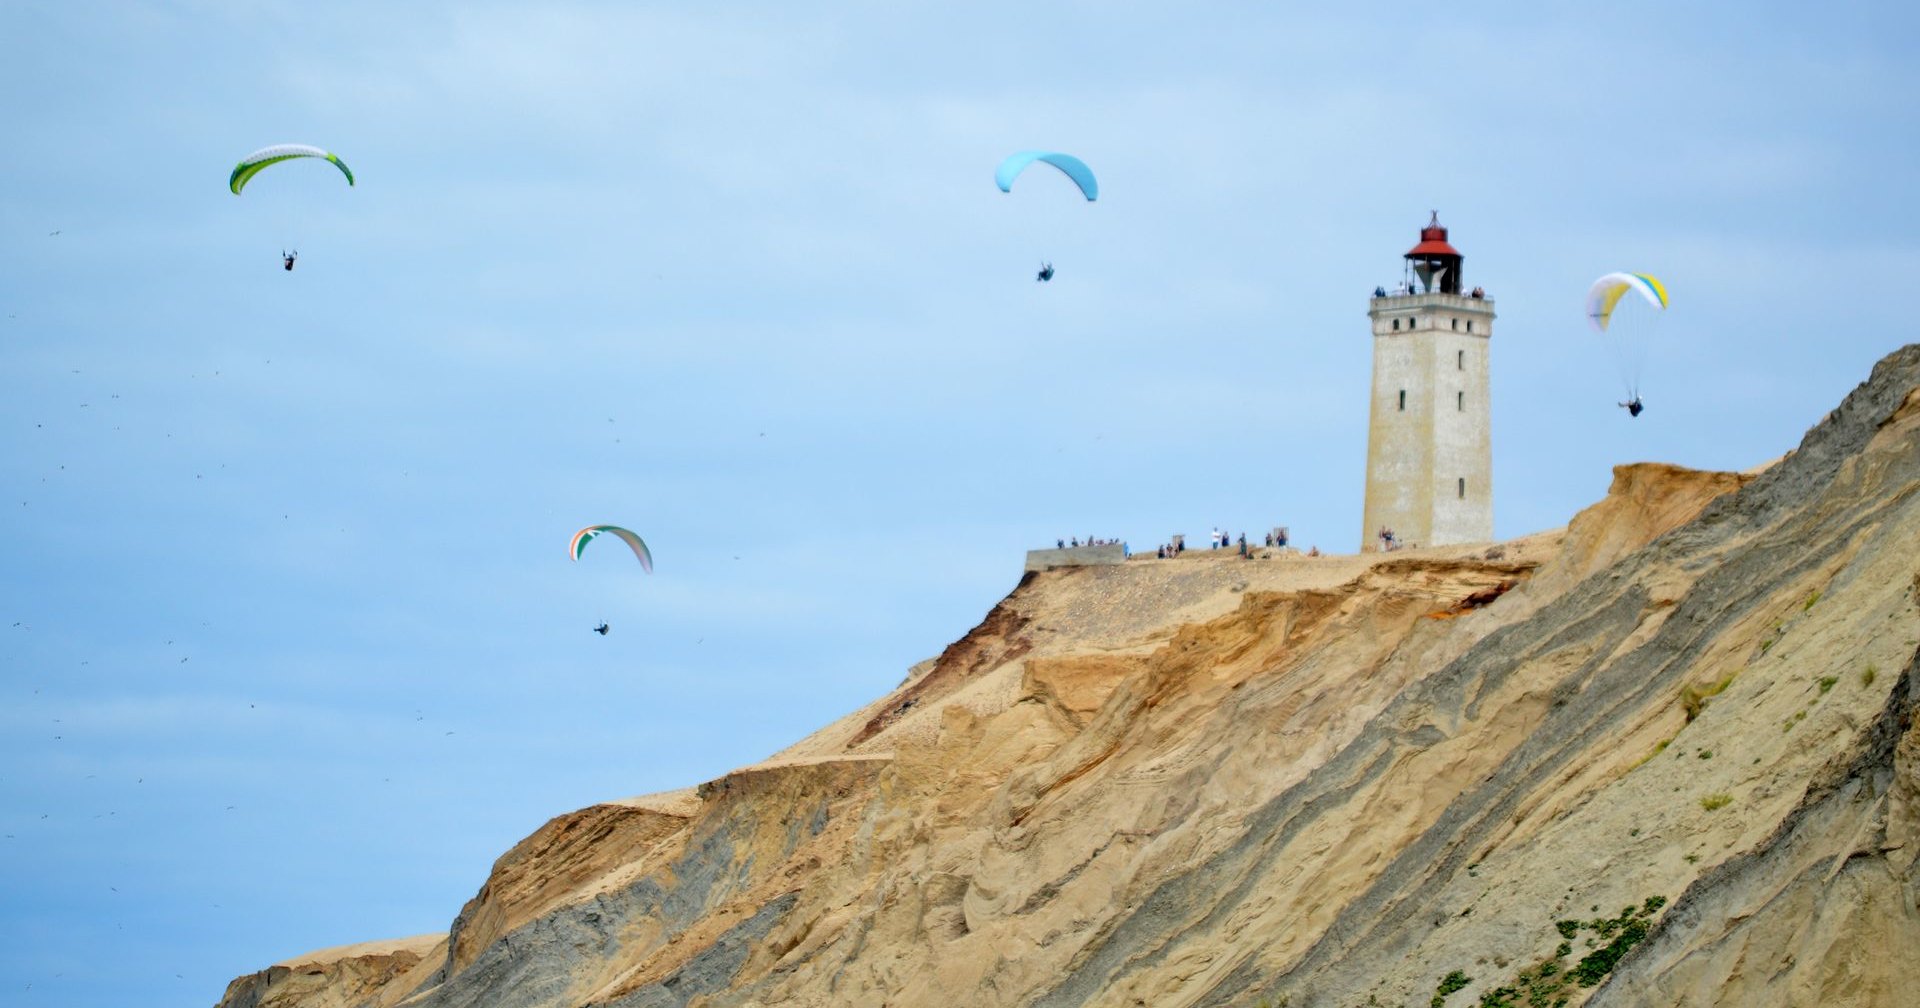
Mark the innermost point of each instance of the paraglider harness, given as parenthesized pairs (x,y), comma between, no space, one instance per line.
(1633,406)
(1046,272)
(290,257)
(602,629)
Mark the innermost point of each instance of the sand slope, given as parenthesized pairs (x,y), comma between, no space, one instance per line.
(1686,719)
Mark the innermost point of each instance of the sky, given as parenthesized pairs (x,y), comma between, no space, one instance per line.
(290,646)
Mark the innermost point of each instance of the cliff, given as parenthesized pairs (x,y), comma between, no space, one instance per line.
(1664,756)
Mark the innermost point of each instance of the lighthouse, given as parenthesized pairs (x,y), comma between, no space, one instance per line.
(1429,432)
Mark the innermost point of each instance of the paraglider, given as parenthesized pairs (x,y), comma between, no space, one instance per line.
(591,532)
(259,160)
(1605,294)
(1628,345)
(602,629)
(1070,166)
(253,163)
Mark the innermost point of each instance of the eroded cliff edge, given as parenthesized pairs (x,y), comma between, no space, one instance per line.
(1333,781)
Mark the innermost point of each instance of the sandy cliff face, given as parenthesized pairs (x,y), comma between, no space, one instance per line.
(1666,756)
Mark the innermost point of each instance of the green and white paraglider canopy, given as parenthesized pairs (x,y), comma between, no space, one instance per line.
(253,163)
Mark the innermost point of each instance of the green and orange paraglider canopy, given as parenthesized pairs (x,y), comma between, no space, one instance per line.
(592,532)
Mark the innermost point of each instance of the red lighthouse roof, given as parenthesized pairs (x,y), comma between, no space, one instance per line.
(1433,240)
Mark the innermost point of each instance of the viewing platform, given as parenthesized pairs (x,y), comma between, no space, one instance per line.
(1465,302)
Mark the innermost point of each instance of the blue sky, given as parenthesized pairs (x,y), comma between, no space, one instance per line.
(290,649)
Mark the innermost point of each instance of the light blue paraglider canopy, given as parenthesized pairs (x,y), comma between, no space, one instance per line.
(1071,166)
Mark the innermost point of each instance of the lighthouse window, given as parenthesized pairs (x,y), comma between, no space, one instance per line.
(1456,325)
(1460,356)
(1403,399)
(1396,325)
(1460,401)
(1469,325)
(1463,488)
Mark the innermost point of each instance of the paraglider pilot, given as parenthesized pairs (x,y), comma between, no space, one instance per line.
(1632,406)
(1046,272)
(602,629)
(289,257)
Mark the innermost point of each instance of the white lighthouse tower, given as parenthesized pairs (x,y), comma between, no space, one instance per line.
(1429,438)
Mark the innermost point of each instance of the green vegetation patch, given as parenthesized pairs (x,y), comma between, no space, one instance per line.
(1595,965)
(1658,748)
(1549,983)
(1448,984)
(1694,697)
(1719,800)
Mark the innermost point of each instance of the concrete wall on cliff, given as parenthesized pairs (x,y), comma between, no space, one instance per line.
(1075,556)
